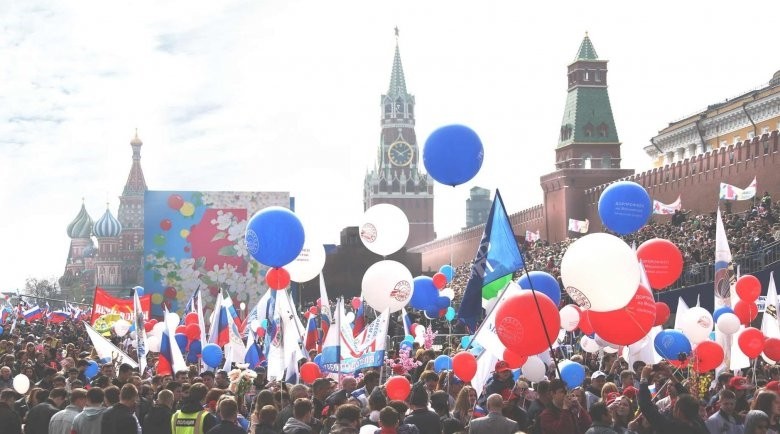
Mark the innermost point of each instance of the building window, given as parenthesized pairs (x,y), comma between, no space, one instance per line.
(596,75)
(606,161)
(586,161)
(588,130)
(587,75)
(603,129)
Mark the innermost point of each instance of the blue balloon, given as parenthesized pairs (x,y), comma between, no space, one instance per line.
(432,313)
(542,282)
(1,330)
(670,344)
(405,345)
(573,374)
(442,303)
(196,347)
(139,290)
(624,207)
(264,324)
(516,374)
(181,341)
(425,293)
(442,363)
(212,355)
(447,271)
(274,236)
(409,338)
(453,154)
(720,311)
(465,341)
(450,314)
(92,369)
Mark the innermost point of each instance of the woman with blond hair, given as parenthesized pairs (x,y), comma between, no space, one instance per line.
(464,405)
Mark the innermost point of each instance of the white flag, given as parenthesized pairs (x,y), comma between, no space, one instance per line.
(106,350)
(729,192)
(664,209)
(579,226)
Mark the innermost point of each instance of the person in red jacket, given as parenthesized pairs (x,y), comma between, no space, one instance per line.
(564,415)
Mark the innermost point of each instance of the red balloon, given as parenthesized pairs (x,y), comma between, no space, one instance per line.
(746,311)
(514,360)
(464,365)
(181,329)
(707,356)
(748,288)
(413,329)
(661,313)
(313,310)
(170,292)
(191,318)
(310,372)
(148,326)
(772,348)
(629,324)
(356,302)
(277,278)
(166,224)
(519,326)
(439,281)
(751,342)
(662,260)
(260,332)
(175,202)
(192,331)
(397,388)
(584,324)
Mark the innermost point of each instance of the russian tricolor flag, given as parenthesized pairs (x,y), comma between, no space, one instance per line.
(406,321)
(312,334)
(33,314)
(252,356)
(58,316)
(360,320)
(223,333)
(171,359)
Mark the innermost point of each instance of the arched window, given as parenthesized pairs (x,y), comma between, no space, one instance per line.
(586,161)
(603,130)
(588,130)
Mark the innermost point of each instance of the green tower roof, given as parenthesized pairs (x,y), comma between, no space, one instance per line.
(397,80)
(586,51)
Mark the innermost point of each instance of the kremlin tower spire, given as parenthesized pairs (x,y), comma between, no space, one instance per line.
(131,217)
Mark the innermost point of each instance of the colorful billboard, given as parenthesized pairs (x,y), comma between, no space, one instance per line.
(195,240)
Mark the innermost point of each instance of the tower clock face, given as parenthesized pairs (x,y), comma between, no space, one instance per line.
(400,153)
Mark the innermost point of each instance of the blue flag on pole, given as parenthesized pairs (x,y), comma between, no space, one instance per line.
(498,256)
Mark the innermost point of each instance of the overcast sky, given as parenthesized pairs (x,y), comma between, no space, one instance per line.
(284,96)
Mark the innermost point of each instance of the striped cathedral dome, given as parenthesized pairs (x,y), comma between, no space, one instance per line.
(81,226)
(107,226)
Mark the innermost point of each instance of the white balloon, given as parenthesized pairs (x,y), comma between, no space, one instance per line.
(697,324)
(21,384)
(172,319)
(384,229)
(157,329)
(349,317)
(533,369)
(637,346)
(387,285)
(121,327)
(368,429)
(419,329)
(610,350)
(420,339)
(728,324)
(600,272)
(570,317)
(589,345)
(153,343)
(447,292)
(309,262)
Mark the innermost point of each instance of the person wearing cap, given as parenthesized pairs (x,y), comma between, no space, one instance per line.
(563,415)
(502,382)
(9,419)
(494,422)
(724,420)
(740,386)
(593,393)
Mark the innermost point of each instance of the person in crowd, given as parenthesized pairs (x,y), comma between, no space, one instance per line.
(321,388)
(424,419)
(62,421)
(37,419)
(601,419)
(402,409)
(9,419)
(685,417)
(502,381)
(388,421)
(370,381)
(228,415)
(723,420)
(593,393)
(90,419)
(347,420)
(120,418)
(296,392)
(192,410)
(302,415)
(440,403)
(543,400)
(756,422)
(158,419)
(494,422)
(464,405)
(6,381)
(563,415)
(768,402)
(265,421)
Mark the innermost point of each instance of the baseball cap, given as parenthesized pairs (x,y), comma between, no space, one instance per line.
(630,392)
(774,386)
(611,398)
(502,366)
(740,383)
(597,374)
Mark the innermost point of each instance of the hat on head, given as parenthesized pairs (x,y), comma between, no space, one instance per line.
(502,366)
(597,374)
(740,383)
(630,392)
(612,398)
(774,386)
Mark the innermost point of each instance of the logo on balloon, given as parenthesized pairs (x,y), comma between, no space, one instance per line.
(578,297)
(368,233)
(704,322)
(667,342)
(252,242)
(401,291)
(511,330)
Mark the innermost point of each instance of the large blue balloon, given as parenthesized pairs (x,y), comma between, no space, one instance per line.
(573,374)
(453,154)
(670,344)
(212,355)
(447,271)
(425,294)
(624,207)
(720,311)
(274,236)
(195,348)
(442,363)
(542,282)
(181,341)
(92,369)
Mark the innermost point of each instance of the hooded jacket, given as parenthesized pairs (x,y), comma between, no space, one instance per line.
(295,426)
(88,421)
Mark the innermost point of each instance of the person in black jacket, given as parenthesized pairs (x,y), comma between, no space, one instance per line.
(228,414)
(9,419)
(158,419)
(685,414)
(37,420)
(425,420)
(120,418)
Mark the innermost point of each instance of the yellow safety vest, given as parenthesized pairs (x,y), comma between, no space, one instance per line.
(188,423)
